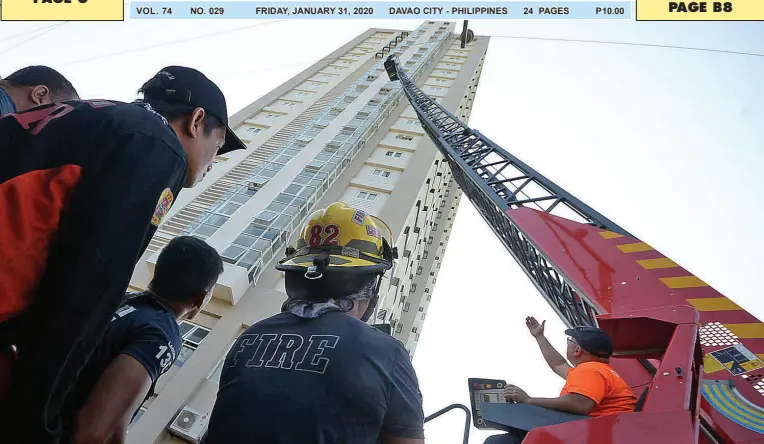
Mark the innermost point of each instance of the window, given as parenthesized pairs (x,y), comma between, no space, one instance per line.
(404,137)
(266,216)
(232,254)
(254,130)
(412,122)
(399,328)
(192,335)
(289,103)
(421,308)
(271,116)
(413,330)
(302,93)
(382,173)
(394,154)
(436,88)
(371,197)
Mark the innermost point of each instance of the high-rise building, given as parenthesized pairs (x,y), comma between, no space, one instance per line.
(338,131)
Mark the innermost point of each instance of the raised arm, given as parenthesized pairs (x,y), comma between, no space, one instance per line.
(555,360)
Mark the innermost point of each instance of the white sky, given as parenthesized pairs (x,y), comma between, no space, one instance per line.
(667,143)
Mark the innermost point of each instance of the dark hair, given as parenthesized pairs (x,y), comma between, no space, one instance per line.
(154,94)
(60,88)
(186,267)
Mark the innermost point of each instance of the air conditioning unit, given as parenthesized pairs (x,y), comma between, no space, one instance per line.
(189,425)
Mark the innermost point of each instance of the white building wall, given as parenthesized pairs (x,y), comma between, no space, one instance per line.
(238,303)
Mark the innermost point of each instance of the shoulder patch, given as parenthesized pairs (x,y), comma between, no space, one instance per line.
(163,206)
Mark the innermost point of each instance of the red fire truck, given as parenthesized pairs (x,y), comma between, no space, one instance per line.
(693,356)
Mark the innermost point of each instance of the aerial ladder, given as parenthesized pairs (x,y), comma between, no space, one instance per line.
(693,357)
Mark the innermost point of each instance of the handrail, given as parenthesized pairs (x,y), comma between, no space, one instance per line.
(466,438)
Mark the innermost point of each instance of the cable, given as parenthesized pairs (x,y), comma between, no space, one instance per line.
(688,48)
(143,48)
(649,45)
(52,28)
(27,32)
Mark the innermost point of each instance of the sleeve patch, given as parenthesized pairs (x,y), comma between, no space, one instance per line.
(163,206)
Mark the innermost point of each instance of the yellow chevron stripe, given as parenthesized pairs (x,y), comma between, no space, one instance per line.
(661,262)
(754,330)
(714,304)
(610,235)
(683,282)
(634,248)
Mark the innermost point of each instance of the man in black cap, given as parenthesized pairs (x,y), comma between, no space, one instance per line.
(83,187)
(592,387)
(34,86)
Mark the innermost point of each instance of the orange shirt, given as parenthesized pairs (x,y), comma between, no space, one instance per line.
(600,383)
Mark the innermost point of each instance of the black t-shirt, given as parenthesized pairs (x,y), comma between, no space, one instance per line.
(144,328)
(333,379)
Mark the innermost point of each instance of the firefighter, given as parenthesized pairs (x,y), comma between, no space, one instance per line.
(34,86)
(592,387)
(142,342)
(83,187)
(317,372)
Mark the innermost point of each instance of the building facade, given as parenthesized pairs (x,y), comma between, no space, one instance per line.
(338,131)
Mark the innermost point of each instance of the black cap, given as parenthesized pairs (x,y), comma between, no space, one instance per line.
(593,340)
(189,86)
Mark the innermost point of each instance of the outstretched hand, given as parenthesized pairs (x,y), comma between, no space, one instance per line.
(534,327)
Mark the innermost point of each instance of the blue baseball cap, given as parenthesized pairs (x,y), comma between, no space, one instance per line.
(593,340)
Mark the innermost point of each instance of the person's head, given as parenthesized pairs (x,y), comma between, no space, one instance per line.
(196,109)
(588,344)
(341,255)
(185,275)
(37,85)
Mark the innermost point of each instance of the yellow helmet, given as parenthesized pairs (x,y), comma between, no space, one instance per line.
(341,239)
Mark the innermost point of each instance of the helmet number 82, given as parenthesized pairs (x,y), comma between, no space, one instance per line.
(324,235)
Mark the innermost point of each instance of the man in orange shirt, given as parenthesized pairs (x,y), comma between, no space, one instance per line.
(591,388)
